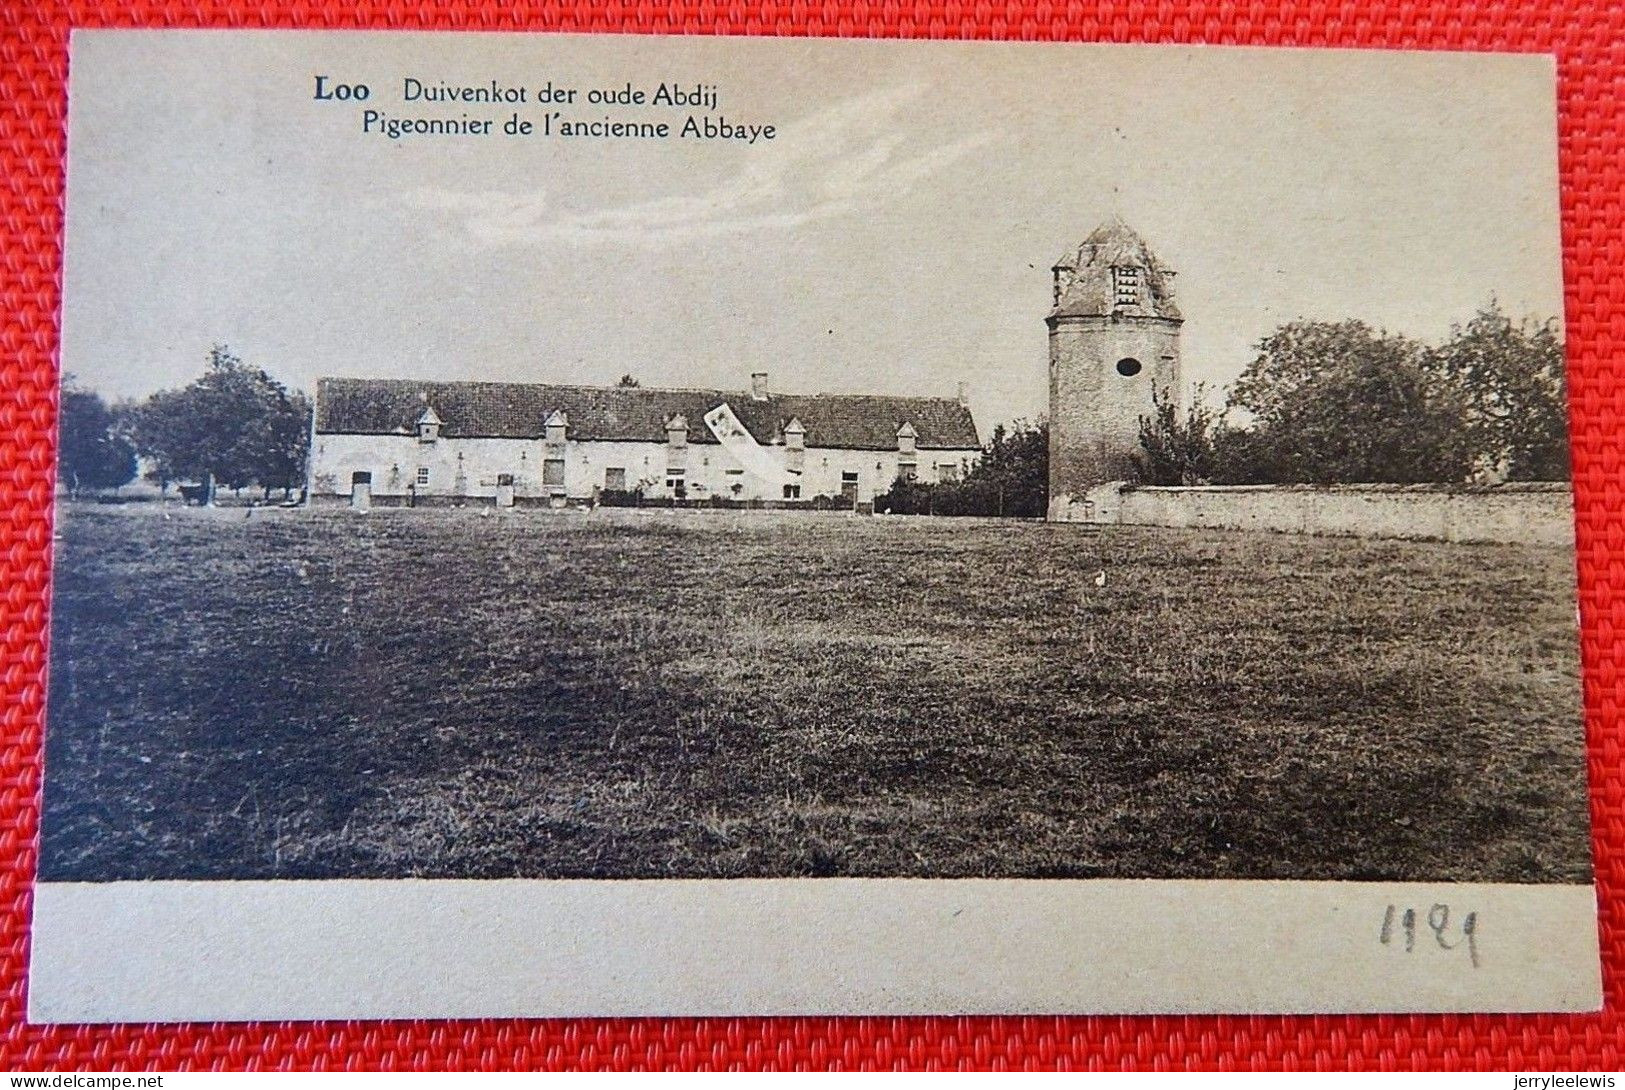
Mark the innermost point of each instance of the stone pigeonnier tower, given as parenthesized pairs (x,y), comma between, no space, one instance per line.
(1113,340)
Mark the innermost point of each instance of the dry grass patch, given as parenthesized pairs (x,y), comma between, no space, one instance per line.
(639,694)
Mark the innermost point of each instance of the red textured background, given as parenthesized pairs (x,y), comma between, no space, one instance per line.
(1589,40)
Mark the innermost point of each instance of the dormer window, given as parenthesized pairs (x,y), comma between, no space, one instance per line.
(795,435)
(429,426)
(907,438)
(557,424)
(1062,277)
(1126,285)
(677,431)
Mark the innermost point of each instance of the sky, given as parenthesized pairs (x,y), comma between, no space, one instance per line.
(895,236)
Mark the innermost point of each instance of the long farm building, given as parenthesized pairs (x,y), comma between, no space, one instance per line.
(398,442)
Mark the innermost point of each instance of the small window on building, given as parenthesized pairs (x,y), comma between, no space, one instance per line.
(553,472)
(504,480)
(908,471)
(849,477)
(1126,280)
(423,474)
(947,471)
(615,479)
(792,491)
(676,482)
(1128,367)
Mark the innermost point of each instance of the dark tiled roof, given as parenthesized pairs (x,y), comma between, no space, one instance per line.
(519,410)
(1087,289)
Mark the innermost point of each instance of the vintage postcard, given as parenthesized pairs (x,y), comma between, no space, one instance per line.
(629,525)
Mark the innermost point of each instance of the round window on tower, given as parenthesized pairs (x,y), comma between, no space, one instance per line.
(1128,367)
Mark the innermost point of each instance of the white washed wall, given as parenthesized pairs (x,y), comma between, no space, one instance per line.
(1541,514)
(470,467)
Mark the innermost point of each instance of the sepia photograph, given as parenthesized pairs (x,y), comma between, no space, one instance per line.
(562,460)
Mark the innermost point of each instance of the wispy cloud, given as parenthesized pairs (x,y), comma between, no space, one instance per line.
(848,157)
(490,216)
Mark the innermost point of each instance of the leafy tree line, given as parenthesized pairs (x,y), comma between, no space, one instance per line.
(1341,402)
(234,426)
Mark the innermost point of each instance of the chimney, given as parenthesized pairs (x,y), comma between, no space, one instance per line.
(960,393)
(758,385)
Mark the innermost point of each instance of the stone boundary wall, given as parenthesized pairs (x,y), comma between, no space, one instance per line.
(1532,513)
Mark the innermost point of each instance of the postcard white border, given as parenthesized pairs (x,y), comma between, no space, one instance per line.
(188,951)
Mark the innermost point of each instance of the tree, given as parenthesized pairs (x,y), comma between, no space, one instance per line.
(1180,451)
(1014,469)
(628,382)
(1011,478)
(90,451)
(235,426)
(289,447)
(1511,381)
(1338,402)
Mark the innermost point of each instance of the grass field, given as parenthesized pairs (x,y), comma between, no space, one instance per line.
(640,694)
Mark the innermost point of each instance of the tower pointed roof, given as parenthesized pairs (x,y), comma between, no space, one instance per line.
(1087,285)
